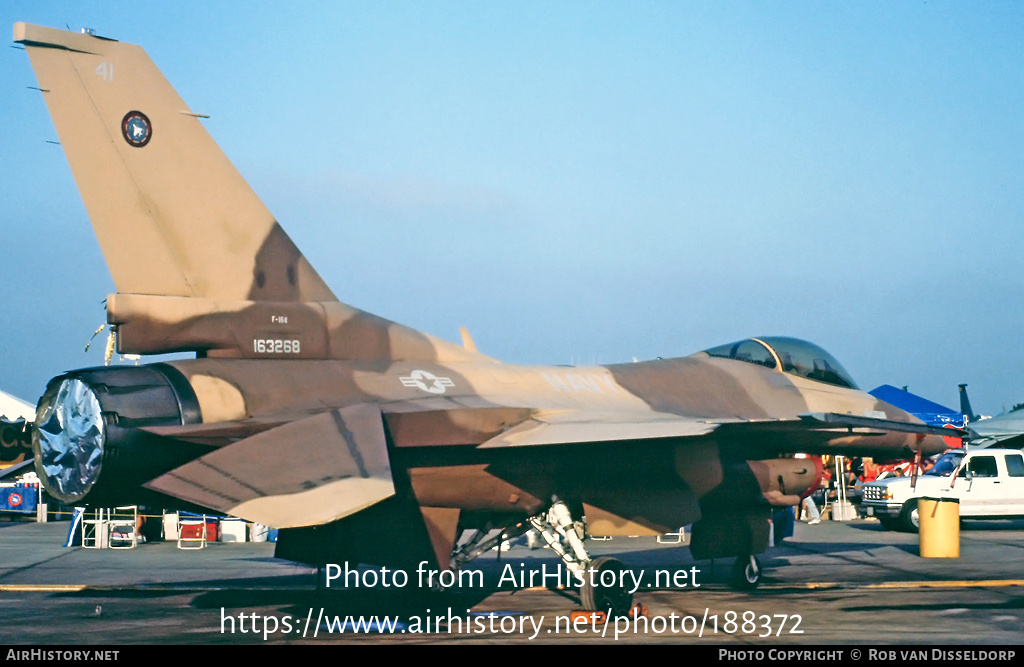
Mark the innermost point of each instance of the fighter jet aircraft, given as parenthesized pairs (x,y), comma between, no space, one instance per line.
(927,411)
(362,439)
(1005,431)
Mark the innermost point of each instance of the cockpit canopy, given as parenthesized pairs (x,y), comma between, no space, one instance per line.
(796,356)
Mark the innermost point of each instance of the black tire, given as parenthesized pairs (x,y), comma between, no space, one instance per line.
(890,523)
(597,597)
(909,521)
(746,573)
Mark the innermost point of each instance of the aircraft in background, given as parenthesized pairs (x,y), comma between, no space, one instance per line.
(927,411)
(965,406)
(1003,431)
(364,440)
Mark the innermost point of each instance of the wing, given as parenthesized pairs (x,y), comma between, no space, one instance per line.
(563,427)
(817,433)
(1004,431)
(321,468)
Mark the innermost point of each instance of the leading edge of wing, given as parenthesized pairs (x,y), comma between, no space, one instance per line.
(834,419)
(578,427)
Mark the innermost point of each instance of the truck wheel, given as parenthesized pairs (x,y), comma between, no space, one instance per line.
(908,516)
(889,523)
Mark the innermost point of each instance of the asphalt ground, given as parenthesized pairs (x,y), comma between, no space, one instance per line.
(835,584)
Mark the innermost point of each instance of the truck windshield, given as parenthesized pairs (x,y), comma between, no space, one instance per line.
(946,464)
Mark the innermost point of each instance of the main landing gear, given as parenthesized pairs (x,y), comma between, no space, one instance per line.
(604,584)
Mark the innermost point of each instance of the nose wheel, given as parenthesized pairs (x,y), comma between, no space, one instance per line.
(746,573)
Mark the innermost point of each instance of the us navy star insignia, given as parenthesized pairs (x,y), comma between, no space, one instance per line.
(427,381)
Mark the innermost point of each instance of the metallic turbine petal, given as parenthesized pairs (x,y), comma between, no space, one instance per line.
(70,440)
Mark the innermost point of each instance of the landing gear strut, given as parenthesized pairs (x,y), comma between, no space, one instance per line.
(484,539)
(602,586)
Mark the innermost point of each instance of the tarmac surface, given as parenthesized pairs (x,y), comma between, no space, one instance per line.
(832,584)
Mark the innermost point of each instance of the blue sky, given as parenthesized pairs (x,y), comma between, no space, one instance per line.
(585,182)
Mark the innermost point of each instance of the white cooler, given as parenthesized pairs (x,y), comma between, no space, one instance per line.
(232,530)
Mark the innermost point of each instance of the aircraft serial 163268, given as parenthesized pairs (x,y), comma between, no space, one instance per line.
(366,441)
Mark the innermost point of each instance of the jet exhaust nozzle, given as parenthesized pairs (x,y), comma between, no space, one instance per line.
(88,440)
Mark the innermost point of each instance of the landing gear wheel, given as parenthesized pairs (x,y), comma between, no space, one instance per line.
(746,573)
(909,520)
(602,589)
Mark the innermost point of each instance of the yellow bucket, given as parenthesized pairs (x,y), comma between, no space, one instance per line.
(939,527)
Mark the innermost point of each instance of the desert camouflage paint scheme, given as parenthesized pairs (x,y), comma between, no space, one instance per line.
(362,439)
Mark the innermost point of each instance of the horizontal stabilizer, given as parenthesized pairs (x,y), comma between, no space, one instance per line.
(309,472)
(218,434)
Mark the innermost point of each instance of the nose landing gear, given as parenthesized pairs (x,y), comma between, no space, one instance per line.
(746,573)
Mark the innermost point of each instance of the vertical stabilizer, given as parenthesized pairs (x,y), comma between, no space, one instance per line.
(965,405)
(172,214)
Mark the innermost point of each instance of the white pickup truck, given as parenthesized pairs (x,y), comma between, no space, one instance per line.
(989,483)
